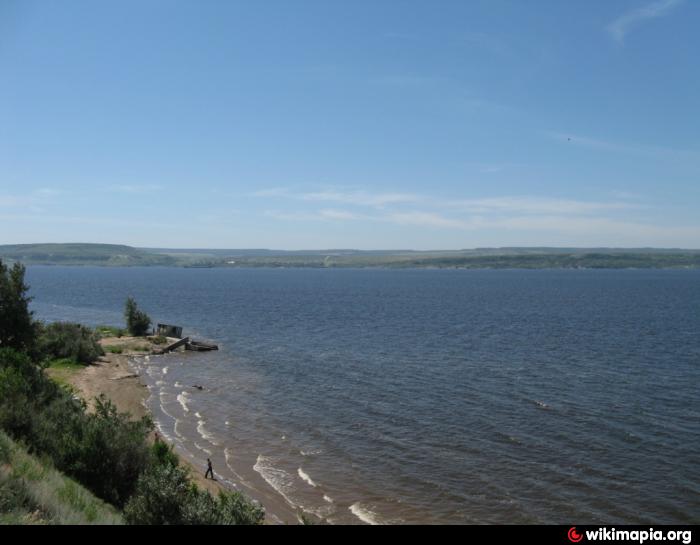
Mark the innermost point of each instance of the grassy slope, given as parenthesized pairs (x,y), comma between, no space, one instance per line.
(32,492)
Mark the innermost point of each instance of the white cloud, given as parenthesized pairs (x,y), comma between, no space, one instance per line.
(10,201)
(361,198)
(618,220)
(340,215)
(538,205)
(271,192)
(619,28)
(135,189)
(427,219)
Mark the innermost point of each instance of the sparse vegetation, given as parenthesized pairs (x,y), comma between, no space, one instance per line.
(110,331)
(61,370)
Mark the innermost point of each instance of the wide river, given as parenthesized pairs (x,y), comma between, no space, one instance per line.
(424,396)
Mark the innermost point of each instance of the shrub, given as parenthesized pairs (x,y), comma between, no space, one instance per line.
(23,388)
(164,455)
(165,495)
(67,340)
(160,497)
(104,450)
(137,322)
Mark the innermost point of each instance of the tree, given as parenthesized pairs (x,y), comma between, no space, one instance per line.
(137,322)
(17,328)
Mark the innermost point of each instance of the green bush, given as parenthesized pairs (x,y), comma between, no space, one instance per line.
(165,495)
(17,327)
(33,491)
(23,389)
(68,340)
(137,322)
(164,455)
(105,450)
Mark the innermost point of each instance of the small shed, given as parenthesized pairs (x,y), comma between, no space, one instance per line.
(169,331)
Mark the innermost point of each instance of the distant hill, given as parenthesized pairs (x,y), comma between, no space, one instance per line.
(82,254)
(479,258)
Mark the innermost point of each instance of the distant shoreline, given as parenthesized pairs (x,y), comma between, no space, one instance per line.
(110,255)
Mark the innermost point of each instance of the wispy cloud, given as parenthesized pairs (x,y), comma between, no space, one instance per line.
(506,204)
(619,147)
(426,219)
(623,219)
(619,28)
(271,192)
(137,189)
(340,215)
(361,198)
(539,205)
(29,200)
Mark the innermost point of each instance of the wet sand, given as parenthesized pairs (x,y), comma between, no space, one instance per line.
(113,376)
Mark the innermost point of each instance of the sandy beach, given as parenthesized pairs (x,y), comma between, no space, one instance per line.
(113,376)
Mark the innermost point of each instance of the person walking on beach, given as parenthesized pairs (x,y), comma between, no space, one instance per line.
(209,470)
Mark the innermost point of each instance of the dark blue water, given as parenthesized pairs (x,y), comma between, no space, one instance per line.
(426,395)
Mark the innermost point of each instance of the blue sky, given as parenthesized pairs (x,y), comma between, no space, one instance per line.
(366,124)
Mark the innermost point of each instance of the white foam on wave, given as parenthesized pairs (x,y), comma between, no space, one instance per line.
(164,433)
(305,477)
(177,384)
(198,415)
(364,514)
(183,398)
(310,452)
(202,448)
(328,499)
(281,481)
(165,370)
(176,431)
(162,395)
(205,434)
(228,456)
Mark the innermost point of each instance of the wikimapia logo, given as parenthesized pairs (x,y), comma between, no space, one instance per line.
(573,535)
(638,536)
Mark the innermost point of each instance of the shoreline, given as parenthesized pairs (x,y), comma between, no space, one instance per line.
(115,376)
